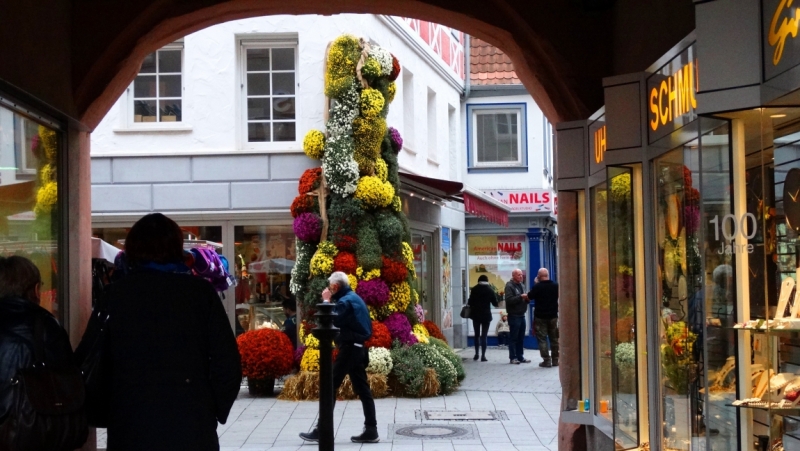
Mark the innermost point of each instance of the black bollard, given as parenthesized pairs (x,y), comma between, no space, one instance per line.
(325,333)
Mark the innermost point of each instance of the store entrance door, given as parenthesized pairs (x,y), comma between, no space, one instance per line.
(422,245)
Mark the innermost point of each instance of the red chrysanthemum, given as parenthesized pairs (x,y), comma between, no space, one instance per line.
(434,330)
(393,271)
(345,262)
(380,336)
(266,354)
(395,69)
(309,181)
(304,204)
(687,177)
(345,243)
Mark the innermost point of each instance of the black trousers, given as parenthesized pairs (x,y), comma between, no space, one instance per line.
(353,360)
(481,331)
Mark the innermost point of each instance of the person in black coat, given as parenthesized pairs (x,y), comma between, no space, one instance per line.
(20,284)
(481,299)
(174,362)
(545,317)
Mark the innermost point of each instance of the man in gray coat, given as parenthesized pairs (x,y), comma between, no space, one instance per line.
(516,305)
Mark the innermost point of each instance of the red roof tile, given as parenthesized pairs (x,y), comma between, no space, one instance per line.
(489,65)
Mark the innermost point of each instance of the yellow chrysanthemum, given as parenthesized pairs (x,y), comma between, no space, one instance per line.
(314,144)
(310,360)
(391,91)
(353,281)
(368,134)
(328,248)
(372,102)
(421,338)
(369,275)
(374,193)
(371,69)
(379,313)
(47,173)
(342,58)
(49,142)
(46,198)
(311,341)
(321,264)
(408,256)
(381,169)
(420,329)
(397,204)
(399,296)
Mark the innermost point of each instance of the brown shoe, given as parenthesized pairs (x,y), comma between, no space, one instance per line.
(546,364)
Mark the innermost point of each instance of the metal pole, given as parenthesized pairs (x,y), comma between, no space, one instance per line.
(325,333)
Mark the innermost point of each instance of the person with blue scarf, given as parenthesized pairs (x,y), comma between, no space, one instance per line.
(174,363)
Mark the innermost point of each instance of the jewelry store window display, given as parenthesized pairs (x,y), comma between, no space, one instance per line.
(763,237)
(264,258)
(696,294)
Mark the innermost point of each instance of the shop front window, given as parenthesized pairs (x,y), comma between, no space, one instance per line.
(423,266)
(30,221)
(496,256)
(602,302)
(264,258)
(696,295)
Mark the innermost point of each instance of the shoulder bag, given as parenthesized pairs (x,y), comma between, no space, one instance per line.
(94,367)
(47,407)
(465,309)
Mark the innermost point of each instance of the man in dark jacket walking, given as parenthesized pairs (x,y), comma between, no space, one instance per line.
(355,328)
(545,317)
(516,305)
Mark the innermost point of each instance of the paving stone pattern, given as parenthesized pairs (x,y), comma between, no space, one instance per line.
(529,395)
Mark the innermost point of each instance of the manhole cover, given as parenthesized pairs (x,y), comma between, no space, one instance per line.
(455,415)
(432,431)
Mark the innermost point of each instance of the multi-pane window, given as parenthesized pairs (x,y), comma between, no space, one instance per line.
(497,137)
(269,88)
(158,89)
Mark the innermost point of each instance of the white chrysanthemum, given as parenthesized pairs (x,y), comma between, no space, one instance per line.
(341,170)
(380,361)
(342,112)
(383,57)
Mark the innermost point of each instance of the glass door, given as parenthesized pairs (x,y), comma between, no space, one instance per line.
(422,245)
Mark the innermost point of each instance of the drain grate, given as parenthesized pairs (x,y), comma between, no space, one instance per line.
(432,432)
(461,415)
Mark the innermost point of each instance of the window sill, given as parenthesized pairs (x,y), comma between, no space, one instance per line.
(190,153)
(410,150)
(183,128)
(433,161)
(496,169)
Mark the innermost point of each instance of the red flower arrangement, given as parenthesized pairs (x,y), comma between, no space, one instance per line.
(304,204)
(393,271)
(434,330)
(266,354)
(345,262)
(309,181)
(345,242)
(380,336)
(395,69)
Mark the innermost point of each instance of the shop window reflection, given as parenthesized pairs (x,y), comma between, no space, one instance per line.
(30,221)
(264,258)
(602,302)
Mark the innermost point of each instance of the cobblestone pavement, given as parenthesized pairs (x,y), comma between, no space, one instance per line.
(529,395)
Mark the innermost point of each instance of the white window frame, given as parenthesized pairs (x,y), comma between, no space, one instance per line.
(265,41)
(21,123)
(521,147)
(127,124)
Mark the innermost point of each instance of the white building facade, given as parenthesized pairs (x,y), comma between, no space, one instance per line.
(210,133)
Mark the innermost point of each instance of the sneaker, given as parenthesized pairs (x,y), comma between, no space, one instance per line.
(524,361)
(555,362)
(514,362)
(312,436)
(546,364)
(368,436)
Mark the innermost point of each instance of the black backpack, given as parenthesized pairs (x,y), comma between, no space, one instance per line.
(47,409)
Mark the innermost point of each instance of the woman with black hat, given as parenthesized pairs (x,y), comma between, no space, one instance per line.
(480,312)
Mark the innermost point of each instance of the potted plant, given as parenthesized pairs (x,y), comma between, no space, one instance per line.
(266,354)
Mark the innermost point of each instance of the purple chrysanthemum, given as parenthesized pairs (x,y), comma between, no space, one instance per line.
(400,328)
(298,354)
(396,139)
(691,217)
(374,292)
(420,312)
(308,227)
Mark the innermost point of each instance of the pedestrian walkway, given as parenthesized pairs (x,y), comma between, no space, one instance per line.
(525,397)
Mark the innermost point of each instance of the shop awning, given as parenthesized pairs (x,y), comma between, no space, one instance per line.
(475,202)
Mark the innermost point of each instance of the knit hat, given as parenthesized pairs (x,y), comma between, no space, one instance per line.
(483,278)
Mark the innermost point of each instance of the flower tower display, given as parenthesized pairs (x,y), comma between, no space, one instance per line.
(348,217)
